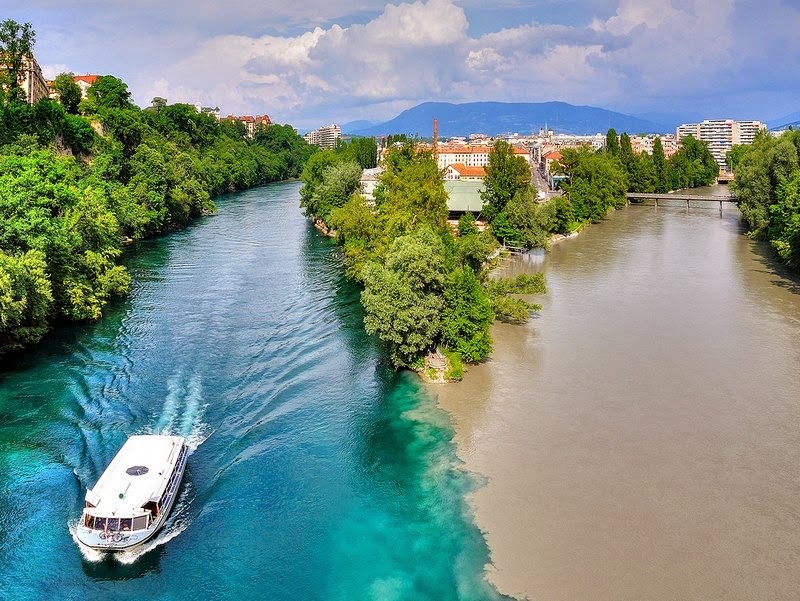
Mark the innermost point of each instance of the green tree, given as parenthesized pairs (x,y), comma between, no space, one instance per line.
(467,316)
(25,299)
(612,142)
(403,298)
(692,166)
(69,93)
(506,175)
(410,192)
(597,183)
(660,166)
(16,45)
(107,92)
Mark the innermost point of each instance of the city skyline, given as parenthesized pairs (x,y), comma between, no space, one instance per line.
(340,61)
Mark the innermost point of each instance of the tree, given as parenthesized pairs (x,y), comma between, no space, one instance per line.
(660,166)
(410,192)
(339,182)
(597,183)
(692,166)
(612,142)
(25,299)
(506,176)
(403,298)
(467,316)
(16,45)
(107,92)
(69,93)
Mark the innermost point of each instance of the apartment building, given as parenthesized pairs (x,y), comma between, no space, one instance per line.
(721,135)
(324,137)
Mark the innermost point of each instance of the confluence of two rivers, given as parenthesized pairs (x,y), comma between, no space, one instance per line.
(640,438)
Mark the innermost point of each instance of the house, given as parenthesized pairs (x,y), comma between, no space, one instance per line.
(459,171)
(84,82)
(368,181)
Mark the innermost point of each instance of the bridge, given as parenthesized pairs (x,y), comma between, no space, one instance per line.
(689,198)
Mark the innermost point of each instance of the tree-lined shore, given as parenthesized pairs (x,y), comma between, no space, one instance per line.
(80,178)
(426,285)
(767,186)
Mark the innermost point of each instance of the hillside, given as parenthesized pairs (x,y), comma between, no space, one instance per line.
(494,118)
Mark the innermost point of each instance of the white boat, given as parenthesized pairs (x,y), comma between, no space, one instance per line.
(133,497)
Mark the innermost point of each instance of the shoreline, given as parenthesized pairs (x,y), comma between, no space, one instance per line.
(467,406)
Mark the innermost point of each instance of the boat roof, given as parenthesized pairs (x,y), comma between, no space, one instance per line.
(138,473)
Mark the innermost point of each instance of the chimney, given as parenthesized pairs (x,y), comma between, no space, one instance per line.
(436,140)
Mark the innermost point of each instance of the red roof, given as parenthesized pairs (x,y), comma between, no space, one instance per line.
(465,171)
(553,155)
(90,79)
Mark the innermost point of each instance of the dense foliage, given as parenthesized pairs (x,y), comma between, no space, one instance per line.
(425,286)
(767,186)
(599,180)
(70,197)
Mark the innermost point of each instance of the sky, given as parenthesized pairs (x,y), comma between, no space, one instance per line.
(315,62)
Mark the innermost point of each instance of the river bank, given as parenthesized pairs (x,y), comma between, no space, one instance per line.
(637,439)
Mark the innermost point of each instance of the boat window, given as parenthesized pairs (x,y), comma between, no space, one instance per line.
(99,524)
(113,524)
(140,523)
(125,524)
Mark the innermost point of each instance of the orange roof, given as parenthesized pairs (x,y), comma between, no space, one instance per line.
(465,171)
(553,155)
(463,149)
(247,119)
(90,79)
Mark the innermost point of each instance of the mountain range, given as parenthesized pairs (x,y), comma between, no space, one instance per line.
(495,118)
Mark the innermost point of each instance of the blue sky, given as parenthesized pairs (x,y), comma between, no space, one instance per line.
(312,62)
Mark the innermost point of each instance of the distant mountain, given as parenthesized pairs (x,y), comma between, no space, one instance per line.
(353,126)
(792,119)
(493,118)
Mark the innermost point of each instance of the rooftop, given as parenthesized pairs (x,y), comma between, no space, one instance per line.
(138,473)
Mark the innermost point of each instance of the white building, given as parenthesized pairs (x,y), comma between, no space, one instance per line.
(324,137)
(721,135)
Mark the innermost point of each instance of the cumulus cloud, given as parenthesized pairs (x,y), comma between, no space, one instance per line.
(319,62)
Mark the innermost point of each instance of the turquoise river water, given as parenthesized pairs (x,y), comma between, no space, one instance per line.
(316,472)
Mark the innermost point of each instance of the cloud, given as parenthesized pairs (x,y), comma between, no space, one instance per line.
(319,62)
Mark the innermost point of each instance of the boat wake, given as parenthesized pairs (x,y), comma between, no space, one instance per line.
(183,410)
(181,415)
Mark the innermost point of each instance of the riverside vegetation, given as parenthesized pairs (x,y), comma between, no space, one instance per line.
(70,197)
(426,286)
(767,185)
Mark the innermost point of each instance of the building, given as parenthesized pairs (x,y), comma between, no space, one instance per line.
(84,82)
(640,144)
(463,197)
(33,83)
(368,182)
(471,155)
(462,172)
(251,123)
(324,137)
(721,135)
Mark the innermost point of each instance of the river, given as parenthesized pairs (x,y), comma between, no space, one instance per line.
(641,436)
(316,472)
